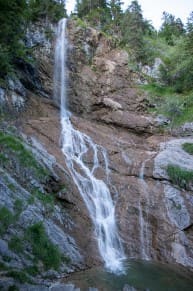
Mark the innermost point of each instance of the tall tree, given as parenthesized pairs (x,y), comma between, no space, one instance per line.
(84,7)
(133,29)
(12,22)
(116,14)
(171,28)
(50,9)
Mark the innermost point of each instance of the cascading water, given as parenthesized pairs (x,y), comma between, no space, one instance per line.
(144,232)
(75,147)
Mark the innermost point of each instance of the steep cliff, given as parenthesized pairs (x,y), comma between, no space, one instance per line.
(154,213)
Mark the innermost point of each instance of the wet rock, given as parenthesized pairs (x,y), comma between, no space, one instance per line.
(2,96)
(18,101)
(176,207)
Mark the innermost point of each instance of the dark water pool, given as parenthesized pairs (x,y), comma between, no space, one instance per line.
(139,275)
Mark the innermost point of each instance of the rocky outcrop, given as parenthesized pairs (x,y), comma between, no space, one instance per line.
(154,216)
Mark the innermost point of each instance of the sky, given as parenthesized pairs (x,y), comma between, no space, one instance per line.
(152,9)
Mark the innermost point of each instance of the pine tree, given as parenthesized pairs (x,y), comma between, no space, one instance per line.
(133,29)
(116,15)
(171,28)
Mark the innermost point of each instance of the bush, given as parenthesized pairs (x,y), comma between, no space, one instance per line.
(179,176)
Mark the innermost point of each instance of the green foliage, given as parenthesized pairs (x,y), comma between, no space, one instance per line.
(46,199)
(6,219)
(15,17)
(179,176)
(16,244)
(33,271)
(50,9)
(42,247)
(19,276)
(14,146)
(12,19)
(188,147)
(171,28)
(85,7)
(134,28)
(177,107)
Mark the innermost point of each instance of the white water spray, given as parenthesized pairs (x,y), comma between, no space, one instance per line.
(75,146)
(144,232)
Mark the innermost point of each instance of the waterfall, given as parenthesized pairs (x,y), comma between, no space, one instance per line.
(75,147)
(144,232)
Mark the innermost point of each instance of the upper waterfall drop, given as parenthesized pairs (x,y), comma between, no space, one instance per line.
(75,146)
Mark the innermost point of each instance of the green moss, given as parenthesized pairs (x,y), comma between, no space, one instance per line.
(16,244)
(180,176)
(43,249)
(188,147)
(6,218)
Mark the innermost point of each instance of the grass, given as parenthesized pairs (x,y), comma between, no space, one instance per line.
(19,276)
(42,248)
(177,107)
(180,176)
(18,207)
(6,219)
(16,244)
(11,144)
(188,147)
(48,200)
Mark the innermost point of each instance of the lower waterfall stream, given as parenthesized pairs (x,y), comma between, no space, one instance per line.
(75,147)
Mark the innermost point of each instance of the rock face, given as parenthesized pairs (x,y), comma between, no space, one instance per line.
(154,216)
